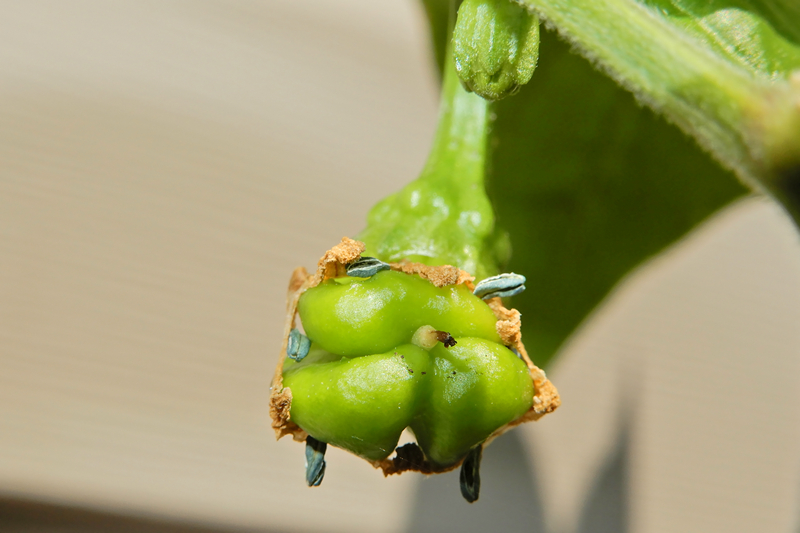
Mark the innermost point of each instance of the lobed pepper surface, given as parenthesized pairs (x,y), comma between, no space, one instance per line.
(367,376)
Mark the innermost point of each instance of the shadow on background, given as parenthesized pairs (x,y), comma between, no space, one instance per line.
(509,499)
(605,509)
(509,502)
(29,516)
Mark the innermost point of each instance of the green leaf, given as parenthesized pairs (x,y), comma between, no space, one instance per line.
(589,185)
(757,36)
(724,71)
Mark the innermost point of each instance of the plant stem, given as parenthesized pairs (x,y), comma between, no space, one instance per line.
(445,217)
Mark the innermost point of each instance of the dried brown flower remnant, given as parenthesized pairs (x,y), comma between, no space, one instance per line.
(438,275)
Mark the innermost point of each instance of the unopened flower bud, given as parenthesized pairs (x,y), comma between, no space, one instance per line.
(496,46)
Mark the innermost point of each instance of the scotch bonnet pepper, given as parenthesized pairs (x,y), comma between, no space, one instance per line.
(391,350)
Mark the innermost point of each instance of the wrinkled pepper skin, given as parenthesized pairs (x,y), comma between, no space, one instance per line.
(363,382)
(351,316)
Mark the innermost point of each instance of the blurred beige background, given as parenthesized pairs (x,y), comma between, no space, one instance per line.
(164,166)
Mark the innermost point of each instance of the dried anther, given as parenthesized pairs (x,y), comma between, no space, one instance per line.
(500,286)
(315,461)
(445,338)
(298,345)
(470,476)
(366,267)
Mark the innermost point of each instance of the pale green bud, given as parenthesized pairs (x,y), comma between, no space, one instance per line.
(495,46)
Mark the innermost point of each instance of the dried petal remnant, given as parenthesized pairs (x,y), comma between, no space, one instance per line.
(334,263)
(279,405)
(509,322)
(438,275)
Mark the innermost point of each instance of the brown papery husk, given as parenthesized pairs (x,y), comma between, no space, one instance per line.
(409,456)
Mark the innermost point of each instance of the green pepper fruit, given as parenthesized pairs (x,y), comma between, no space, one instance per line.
(351,316)
(496,47)
(354,392)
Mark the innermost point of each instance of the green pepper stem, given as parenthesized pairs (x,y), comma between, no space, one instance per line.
(460,142)
(445,217)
